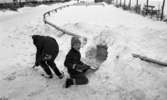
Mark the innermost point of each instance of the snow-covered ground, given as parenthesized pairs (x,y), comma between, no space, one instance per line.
(120,77)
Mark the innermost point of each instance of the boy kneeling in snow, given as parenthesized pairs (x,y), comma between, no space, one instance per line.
(47,51)
(75,67)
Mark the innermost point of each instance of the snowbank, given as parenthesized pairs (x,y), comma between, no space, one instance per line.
(7,12)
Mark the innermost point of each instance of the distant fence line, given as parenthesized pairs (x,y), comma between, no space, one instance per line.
(145,9)
(48,13)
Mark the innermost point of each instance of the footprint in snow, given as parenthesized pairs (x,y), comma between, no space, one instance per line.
(34,93)
(11,77)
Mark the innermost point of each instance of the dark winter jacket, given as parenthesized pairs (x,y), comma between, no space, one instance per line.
(45,45)
(73,57)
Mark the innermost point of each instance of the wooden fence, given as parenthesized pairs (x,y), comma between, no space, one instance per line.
(48,13)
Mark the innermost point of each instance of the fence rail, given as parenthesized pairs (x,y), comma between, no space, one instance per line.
(48,13)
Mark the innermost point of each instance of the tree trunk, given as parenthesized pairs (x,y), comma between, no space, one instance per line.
(124,3)
(129,4)
(20,3)
(137,3)
(116,2)
(162,13)
(147,3)
(120,2)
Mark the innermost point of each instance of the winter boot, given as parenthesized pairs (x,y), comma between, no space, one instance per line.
(61,76)
(68,83)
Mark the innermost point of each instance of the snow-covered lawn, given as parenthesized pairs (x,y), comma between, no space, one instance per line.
(120,77)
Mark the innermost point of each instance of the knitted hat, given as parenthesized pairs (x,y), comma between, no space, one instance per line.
(75,40)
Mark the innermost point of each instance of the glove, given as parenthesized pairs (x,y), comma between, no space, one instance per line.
(46,57)
(36,64)
(81,68)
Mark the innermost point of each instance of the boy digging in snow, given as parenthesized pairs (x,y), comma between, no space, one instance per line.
(47,51)
(75,67)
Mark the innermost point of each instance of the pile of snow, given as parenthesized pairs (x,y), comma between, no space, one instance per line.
(7,12)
